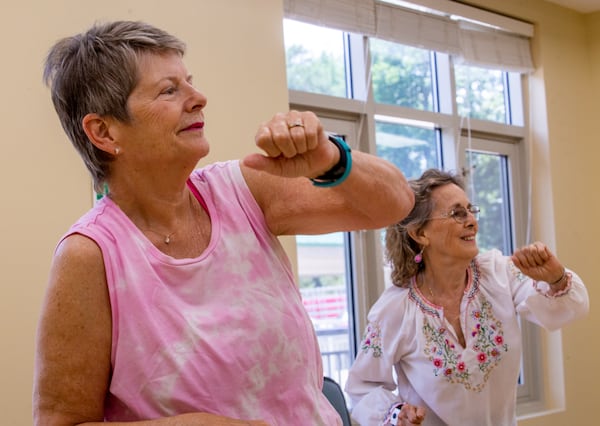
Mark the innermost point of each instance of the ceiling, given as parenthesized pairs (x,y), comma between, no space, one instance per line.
(583,6)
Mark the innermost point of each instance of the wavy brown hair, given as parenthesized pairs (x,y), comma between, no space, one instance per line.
(401,249)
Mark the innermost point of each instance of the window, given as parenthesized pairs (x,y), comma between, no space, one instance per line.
(326,275)
(480,93)
(411,148)
(417,109)
(401,75)
(324,285)
(315,64)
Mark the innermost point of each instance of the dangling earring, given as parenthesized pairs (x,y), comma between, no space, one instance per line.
(419,256)
(117,150)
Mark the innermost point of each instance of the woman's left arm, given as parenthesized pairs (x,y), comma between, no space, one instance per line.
(559,295)
(374,194)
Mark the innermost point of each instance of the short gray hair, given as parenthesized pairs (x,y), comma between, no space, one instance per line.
(95,72)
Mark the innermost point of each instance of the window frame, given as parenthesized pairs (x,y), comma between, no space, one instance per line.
(367,257)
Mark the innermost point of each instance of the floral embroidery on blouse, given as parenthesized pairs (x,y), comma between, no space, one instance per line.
(441,352)
(489,337)
(516,271)
(372,340)
(486,343)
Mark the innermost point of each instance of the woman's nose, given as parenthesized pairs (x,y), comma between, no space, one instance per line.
(196,98)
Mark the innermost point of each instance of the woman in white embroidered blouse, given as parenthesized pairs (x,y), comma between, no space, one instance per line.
(443,344)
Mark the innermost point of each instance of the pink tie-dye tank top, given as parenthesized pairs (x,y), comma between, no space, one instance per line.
(223,333)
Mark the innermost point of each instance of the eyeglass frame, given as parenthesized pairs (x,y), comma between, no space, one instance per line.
(474,209)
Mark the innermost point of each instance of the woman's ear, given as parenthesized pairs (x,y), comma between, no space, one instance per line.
(97,130)
(418,235)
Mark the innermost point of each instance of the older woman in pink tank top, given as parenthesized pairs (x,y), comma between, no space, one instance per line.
(171,302)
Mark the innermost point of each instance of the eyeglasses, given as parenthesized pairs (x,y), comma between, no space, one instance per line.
(460,214)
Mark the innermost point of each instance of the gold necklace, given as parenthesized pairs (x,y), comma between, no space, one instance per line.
(430,291)
(167,239)
(422,279)
(450,318)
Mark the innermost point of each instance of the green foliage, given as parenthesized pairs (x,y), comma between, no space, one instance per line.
(480,93)
(324,74)
(401,75)
(489,189)
(418,153)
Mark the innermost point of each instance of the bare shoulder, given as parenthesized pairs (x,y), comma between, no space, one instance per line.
(77,251)
(73,343)
(77,275)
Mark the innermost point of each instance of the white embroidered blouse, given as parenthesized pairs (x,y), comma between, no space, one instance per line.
(410,353)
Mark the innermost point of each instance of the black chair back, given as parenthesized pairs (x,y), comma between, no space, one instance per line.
(334,394)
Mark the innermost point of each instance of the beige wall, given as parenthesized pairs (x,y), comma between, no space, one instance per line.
(236,55)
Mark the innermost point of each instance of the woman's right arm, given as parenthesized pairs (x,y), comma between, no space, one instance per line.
(73,344)
(370,384)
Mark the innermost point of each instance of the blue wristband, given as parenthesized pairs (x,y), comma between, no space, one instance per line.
(338,173)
